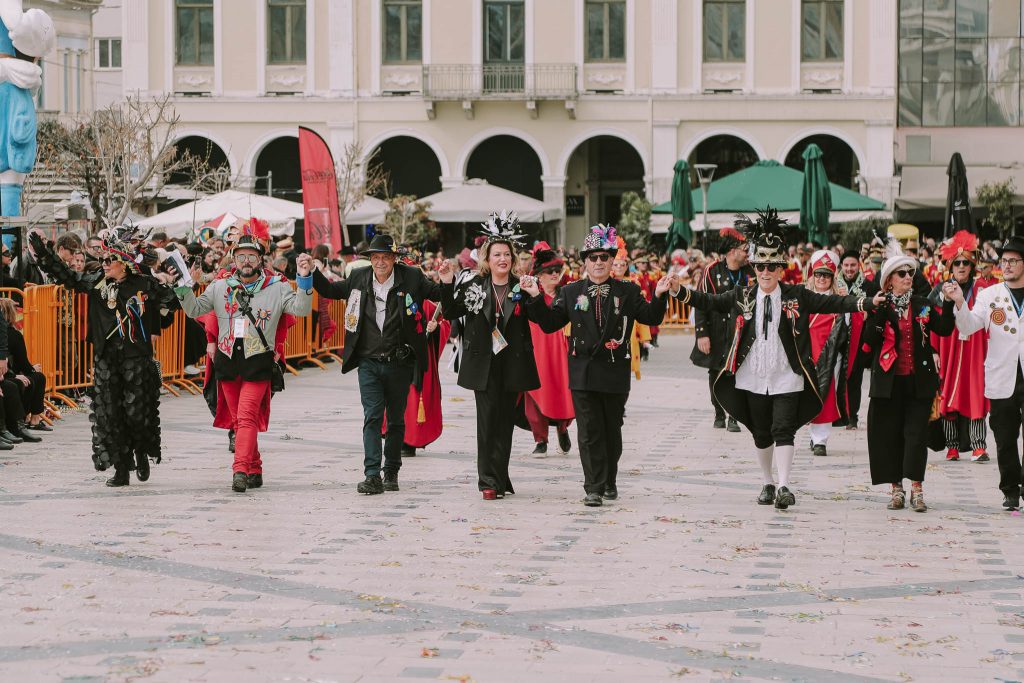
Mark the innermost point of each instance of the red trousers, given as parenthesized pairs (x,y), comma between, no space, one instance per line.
(245,401)
(539,424)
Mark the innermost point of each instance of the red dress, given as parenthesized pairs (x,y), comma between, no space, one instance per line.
(420,433)
(820,329)
(551,352)
(962,370)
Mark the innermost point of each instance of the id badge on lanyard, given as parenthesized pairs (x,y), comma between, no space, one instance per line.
(498,342)
(241,325)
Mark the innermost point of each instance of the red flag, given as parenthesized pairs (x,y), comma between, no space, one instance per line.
(319,192)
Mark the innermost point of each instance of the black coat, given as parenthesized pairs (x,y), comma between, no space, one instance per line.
(793,330)
(717,279)
(409,281)
(941,321)
(520,371)
(592,365)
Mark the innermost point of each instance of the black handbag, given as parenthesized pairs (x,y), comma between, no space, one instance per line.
(276,371)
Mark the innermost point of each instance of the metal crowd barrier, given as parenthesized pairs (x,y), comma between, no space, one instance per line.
(677,315)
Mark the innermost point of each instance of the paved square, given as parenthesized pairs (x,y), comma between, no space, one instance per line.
(684,577)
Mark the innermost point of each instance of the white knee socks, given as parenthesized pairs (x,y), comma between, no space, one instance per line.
(764,458)
(785,462)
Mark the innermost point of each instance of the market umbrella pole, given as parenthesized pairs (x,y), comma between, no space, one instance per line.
(816,197)
(958,198)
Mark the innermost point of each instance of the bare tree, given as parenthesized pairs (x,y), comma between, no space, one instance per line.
(123,155)
(408,221)
(357,176)
(48,180)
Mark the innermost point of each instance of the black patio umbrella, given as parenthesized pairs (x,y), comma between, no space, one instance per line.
(958,198)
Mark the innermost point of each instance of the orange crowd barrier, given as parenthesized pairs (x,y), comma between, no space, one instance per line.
(677,315)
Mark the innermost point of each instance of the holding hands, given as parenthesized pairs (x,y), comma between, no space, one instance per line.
(304,265)
(529,284)
(878,299)
(446,272)
(952,291)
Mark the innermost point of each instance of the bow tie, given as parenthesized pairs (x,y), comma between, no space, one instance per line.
(599,291)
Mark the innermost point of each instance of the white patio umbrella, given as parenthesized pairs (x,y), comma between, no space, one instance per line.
(474,202)
(369,211)
(177,222)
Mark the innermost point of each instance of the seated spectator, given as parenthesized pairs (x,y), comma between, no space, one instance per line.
(23,378)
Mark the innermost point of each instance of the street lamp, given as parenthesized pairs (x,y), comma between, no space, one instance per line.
(705,172)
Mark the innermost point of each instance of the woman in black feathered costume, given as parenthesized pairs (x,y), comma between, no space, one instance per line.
(124,310)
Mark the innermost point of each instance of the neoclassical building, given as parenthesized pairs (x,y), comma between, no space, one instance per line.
(570,101)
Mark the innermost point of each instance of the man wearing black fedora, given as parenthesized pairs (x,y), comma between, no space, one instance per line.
(385,331)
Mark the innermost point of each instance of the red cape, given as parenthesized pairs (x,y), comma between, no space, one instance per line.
(821,327)
(551,352)
(962,370)
(419,434)
(856,328)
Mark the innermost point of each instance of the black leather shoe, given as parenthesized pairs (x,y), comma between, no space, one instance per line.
(239,481)
(39,427)
(1010,501)
(593,500)
(541,448)
(6,445)
(852,424)
(611,493)
(371,486)
(141,467)
(732,426)
(719,423)
(767,496)
(564,442)
(25,436)
(819,449)
(254,481)
(231,440)
(9,437)
(390,482)
(784,498)
(120,478)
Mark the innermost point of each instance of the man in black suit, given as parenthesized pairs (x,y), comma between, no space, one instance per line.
(601,311)
(386,339)
(857,285)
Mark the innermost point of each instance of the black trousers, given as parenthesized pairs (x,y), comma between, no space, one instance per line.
(495,422)
(773,418)
(898,434)
(853,388)
(32,395)
(719,410)
(599,418)
(1005,420)
(13,408)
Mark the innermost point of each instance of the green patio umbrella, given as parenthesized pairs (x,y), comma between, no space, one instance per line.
(679,233)
(816,197)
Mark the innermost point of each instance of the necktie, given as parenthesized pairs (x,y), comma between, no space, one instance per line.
(767,315)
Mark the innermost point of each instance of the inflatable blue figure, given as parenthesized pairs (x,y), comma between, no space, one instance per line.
(25,37)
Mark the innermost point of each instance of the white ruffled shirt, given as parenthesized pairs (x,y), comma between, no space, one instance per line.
(766,369)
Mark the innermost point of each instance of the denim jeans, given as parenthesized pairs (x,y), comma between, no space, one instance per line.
(383,386)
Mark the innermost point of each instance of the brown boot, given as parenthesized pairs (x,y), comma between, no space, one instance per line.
(898,500)
(917,501)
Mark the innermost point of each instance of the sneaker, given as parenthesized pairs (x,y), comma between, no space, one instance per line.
(917,501)
(819,449)
(372,485)
(979,455)
(898,500)
(254,481)
(564,443)
(1011,501)
(390,481)
(719,423)
(784,498)
(239,482)
(732,426)
(540,449)
(952,454)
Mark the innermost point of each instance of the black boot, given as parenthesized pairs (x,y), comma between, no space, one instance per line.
(390,480)
(408,451)
(541,448)
(372,485)
(120,478)
(239,481)
(564,442)
(231,440)
(141,467)
(254,481)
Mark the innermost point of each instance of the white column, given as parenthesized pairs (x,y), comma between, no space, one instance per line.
(135,47)
(448,182)
(341,74)
(554,195)
(218,48)
(664,46)
(879,159)
(340,134)
(664,154)
(883,47)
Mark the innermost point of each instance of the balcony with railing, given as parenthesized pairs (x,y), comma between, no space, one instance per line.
(499,81)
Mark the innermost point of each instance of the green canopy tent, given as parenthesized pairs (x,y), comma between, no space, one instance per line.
(816,197)
(680,233)
(769,183)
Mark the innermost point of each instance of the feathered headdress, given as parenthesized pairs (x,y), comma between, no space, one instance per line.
(545,257)
(502,227)
(622,254)
(962,243)
(894,258)
(122,244)
(258,229)
(768,236)
(601,238)
(731,238)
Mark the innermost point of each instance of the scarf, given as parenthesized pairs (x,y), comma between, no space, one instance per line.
(857,286)
(900,303)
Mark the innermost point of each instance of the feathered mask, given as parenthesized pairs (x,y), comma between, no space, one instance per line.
(768,236)
(963,243)
(601,238)
(502,227)
(622,254)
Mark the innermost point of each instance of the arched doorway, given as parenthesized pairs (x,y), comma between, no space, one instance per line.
(841,164)
(599,172)
(280,161)
(207,155)
(411,166)
(728,152)
(508,162)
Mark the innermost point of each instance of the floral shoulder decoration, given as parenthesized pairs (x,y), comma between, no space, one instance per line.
(922,318)
(582,303)
(791,307)
(474,297)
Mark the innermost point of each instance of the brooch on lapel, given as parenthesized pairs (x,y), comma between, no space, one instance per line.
(746,307)
(474,297)
(582,303)
(516,294)
(791,307)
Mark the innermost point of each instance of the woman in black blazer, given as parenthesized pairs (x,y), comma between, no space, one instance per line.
(904,380)
(497,360)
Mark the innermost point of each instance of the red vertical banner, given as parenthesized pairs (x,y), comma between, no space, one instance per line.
(319,192)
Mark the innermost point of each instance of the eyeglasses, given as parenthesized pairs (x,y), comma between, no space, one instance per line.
(1010,261)
(962,262)
(904,273)
(108,261)
(247,258)
(770,267)
(824,275)
(594,258)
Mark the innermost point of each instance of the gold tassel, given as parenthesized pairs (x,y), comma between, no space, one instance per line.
(421,415)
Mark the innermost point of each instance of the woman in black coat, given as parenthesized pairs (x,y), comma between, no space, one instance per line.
(24,375)
(904,381)
(497,350)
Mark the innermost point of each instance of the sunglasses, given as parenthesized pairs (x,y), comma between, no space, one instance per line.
(595,258)
(962,262)
(770,267)
(824,275)
(108,261)
(549,271)
(904,273)
(247,258)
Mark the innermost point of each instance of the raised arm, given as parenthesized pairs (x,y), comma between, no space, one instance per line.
(721,303)
(196,306)
(298,301)
(833,303)
(553,318)
(50,264)
(331,290)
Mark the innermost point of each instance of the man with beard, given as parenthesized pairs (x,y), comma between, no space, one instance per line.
(854,282)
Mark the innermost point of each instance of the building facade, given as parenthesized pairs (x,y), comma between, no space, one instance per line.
(571,101)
